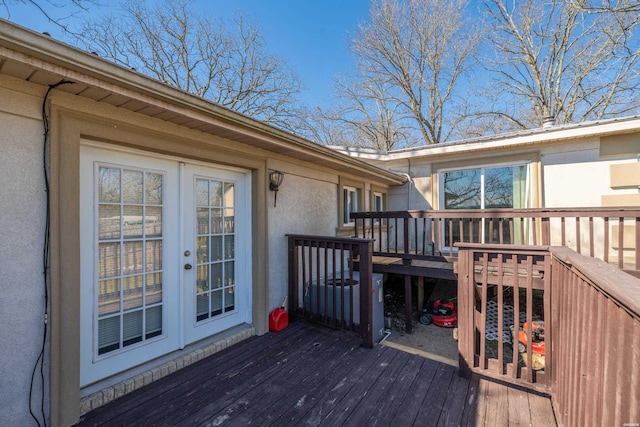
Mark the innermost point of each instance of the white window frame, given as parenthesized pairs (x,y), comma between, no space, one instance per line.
(482,168)
(354,196)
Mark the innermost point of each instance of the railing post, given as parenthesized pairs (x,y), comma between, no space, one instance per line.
(366,293)
(293,277)
(465,314)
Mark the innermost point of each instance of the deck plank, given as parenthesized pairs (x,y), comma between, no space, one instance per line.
(308,375)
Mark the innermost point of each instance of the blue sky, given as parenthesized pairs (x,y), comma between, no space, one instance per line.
(311,35)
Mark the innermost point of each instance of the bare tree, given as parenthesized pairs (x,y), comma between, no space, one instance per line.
(411,57)
(58,13)
(604,6)
(228,66)
(556,60)
(372,116)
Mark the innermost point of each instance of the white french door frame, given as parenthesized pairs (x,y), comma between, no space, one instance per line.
(178,227)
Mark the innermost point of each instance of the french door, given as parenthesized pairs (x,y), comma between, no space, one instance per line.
(165,256)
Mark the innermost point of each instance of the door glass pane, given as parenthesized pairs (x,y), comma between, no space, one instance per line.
(153,288)
(215,247)
(132,187)
(109,185)
(108,296)
(153,189)
(132,327)
(153,322)
(132,292)
(129,251)
(153,221)
(108,334)
(108,260)
(132,222)
(109,222)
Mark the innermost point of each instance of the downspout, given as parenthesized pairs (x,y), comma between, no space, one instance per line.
(410,182)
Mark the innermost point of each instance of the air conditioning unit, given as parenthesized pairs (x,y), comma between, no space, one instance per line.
(342,286)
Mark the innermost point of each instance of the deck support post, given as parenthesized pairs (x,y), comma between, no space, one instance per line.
(408,304)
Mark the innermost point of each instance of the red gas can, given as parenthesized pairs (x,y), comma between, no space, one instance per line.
(279,318)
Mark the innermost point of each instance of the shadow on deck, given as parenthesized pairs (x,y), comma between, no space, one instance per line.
(307,375)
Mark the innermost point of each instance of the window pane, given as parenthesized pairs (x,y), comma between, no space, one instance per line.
(131,187)
(229,299)
(109,185)
(202,249)
(216,248)
(108,296)
(229,195)
(108,334)
(202,278)
(498,188)
(108,260)
(132,292)
(153,221)
(153,291)
(229,220)
(202,215)
(229,278)
(153,189)
(462,189)
(216,275)
(202,306)
(202,192)
(154,255)
(216,221)
(215,192)
(153,322)
(130,216)
(229,247)
(216,303)
(109,222)
(132,222)
(132,328)
(132,257)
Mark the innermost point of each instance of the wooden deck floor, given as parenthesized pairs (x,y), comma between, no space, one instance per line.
(307,375)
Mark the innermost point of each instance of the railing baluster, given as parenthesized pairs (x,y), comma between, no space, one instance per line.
(606,240)
(516,316)
(621,243)
(529,318)
(591,244)
(637,245)
(578,235)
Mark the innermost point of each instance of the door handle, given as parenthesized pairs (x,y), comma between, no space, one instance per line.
(188,266)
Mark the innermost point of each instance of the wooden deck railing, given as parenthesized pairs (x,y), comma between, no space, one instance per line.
(591,314)
(325,288)
(611,234)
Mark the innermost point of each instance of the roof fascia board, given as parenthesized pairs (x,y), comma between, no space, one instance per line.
(545,136)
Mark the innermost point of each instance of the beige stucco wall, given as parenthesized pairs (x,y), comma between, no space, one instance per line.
(307,203)
(576,175)
(22,212)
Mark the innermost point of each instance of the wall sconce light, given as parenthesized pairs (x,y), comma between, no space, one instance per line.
(275,179)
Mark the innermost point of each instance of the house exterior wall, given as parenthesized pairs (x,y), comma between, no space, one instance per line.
(577,175)
(22,305)
(308,203)
(574,173)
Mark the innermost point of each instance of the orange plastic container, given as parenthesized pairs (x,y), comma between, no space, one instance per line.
(279,318)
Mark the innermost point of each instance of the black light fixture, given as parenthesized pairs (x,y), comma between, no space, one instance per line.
(275,179)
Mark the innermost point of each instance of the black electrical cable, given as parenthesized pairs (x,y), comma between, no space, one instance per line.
(45,263)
